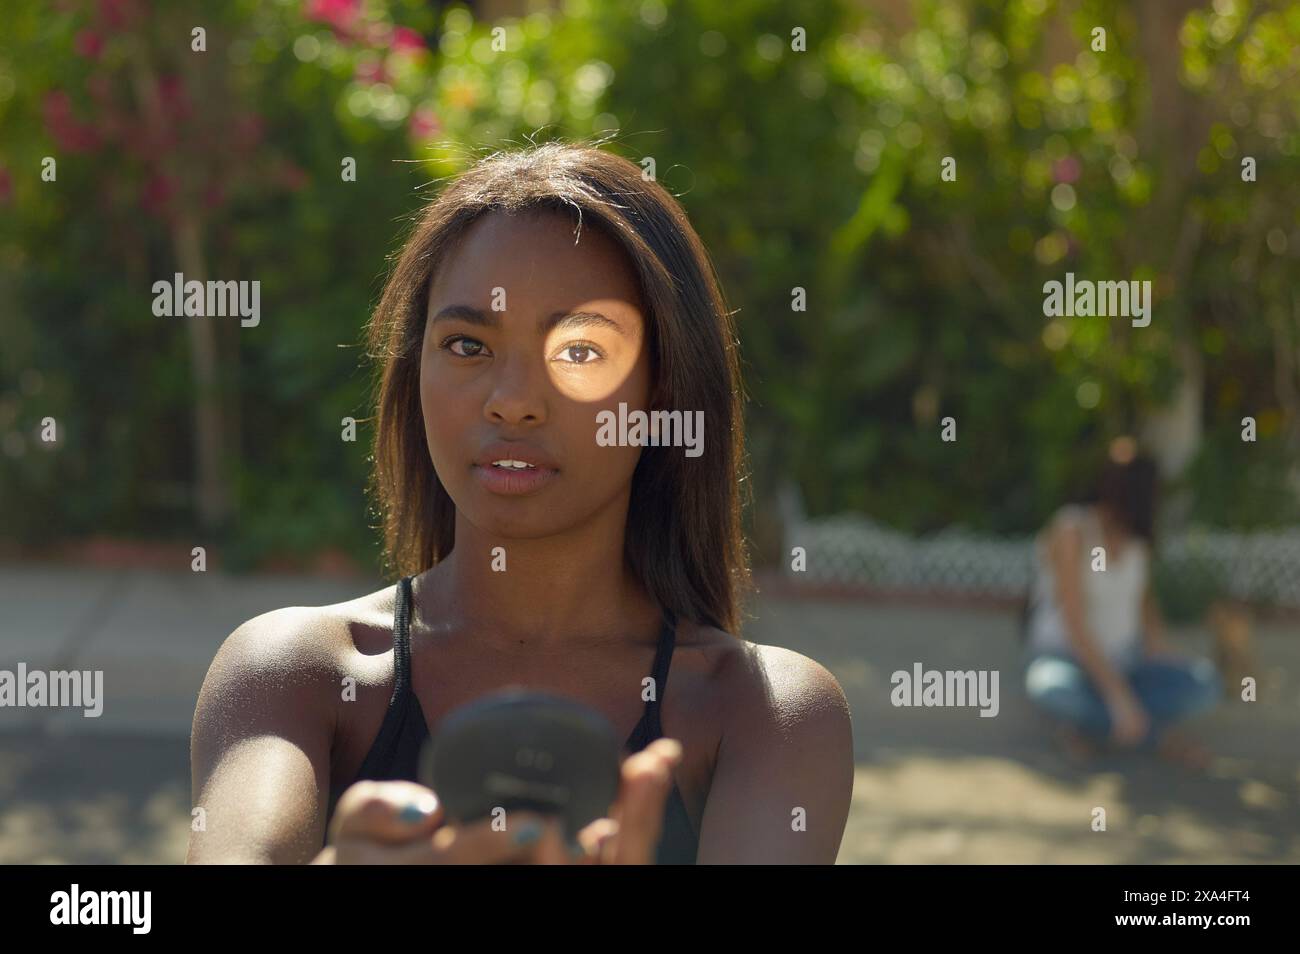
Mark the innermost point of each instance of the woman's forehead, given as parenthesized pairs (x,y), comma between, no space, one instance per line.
(535,254)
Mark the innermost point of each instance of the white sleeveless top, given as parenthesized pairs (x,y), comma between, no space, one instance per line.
(1112,599)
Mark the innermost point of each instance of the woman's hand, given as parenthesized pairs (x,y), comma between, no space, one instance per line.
(630,836)
(401,823)
(1129,722)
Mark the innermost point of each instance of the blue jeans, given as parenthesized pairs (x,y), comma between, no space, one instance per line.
(1170,690)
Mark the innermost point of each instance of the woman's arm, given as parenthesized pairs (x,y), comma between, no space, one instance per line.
(260,745)
(785,763)
(1064,544)
(1129,721)
(260,757)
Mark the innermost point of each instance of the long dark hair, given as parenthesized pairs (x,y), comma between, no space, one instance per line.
(1127,487)
(683,536)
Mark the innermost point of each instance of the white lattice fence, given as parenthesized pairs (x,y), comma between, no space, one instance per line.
(1259,567)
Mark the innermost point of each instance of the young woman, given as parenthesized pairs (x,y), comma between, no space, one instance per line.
(1099,660)
(543,287)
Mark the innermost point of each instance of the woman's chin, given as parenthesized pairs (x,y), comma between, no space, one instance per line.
(518,518)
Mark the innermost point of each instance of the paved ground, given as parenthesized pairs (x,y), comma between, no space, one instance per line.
(932,785)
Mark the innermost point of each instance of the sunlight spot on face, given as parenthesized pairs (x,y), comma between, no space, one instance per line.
(591,363)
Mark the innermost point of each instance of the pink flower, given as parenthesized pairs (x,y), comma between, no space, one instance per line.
(370,71)
(175,100)
(64,128)
(116,13)
(424,123)
(157,193)
(1067,169)
(406,40)
(57,104)
(340,14)
(89,44)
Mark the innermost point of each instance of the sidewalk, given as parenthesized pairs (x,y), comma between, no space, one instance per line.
(933,785)
(152,633)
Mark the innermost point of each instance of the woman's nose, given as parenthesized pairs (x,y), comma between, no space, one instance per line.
(517,392)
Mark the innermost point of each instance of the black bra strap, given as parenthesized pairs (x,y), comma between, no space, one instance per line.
(402,639)
(383,754)
(663,658)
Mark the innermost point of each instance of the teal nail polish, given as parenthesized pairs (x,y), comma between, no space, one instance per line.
(415,812)
(410,814)
(528,833)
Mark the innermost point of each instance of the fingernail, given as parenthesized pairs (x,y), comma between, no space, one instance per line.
(416,811)
(528,833)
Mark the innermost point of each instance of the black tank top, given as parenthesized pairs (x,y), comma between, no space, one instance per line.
(394,755)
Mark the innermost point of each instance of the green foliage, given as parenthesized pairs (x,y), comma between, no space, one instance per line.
(816,169)
(1251,489)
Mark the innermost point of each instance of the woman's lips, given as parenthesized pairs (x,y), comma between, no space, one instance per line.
(513,482)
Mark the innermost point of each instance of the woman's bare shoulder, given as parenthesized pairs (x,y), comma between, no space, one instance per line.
(767,683)
(1070,515)
(307,640)
(1066,527)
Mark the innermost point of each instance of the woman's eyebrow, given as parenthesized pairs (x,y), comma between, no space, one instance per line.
(559,319)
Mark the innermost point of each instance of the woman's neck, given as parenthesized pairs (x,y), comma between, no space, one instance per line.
(559,590)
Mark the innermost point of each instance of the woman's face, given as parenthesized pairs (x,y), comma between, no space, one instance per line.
(528,336)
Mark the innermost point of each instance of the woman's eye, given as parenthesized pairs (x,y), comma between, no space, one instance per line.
(583,353)
(450,345)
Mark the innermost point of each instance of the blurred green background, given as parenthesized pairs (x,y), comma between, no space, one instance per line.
(815,168)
